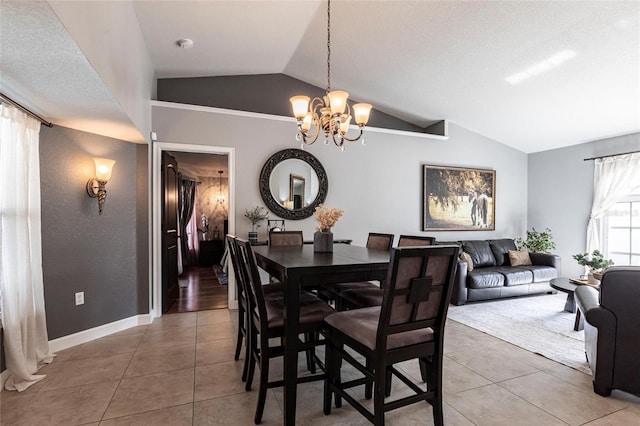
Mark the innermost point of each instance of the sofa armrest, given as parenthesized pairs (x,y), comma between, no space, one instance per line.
(545,259)
(459,296)
(586,298)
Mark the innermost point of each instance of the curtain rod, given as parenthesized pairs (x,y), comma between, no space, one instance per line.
(612,155)
(23,109)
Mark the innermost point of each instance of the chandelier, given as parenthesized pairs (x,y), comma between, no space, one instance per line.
(220,198)
(331,113)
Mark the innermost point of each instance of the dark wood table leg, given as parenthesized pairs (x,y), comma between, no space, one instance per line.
(570,305)
(579,324)
(291,319)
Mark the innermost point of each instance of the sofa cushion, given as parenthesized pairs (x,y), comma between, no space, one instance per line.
(519,258)
(480,253)
(485,278)
(541,273)
(500,249)
(466,258)
(515,276)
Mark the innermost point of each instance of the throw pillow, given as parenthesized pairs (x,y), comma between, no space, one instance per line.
(465,257)
(519,258)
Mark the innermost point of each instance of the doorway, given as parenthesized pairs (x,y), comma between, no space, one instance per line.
(155,294)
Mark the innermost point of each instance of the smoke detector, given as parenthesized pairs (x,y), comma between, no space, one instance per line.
(185,43)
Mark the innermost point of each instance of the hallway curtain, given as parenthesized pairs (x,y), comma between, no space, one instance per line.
(612,179)
(186,198)
(21,288)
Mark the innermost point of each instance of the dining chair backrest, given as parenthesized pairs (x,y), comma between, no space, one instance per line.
(380,241)
(415,240)
(237,268)
(255,295)
(285,238)
(418,291)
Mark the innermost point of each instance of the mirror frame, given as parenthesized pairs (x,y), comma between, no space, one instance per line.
(265,190)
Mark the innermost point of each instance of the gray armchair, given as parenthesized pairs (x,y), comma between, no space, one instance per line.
(612,329)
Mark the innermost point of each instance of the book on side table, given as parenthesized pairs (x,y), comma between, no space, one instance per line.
(578,281)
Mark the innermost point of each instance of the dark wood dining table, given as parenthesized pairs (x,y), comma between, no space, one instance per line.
(299,267)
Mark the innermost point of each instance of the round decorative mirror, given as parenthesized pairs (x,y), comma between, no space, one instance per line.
(293,183)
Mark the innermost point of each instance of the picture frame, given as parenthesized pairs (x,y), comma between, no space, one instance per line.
(458,199)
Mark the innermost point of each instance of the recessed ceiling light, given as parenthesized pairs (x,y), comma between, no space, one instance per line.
(542,66)
(185,43)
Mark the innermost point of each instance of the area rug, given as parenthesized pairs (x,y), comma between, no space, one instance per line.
(537,323)
(223,279)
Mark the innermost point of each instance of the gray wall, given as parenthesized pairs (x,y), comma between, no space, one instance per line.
(561,193)
(82,251)
(378,185)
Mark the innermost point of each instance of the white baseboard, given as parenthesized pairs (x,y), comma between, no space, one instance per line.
(85,336)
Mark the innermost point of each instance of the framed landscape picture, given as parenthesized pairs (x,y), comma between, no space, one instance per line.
(458,199)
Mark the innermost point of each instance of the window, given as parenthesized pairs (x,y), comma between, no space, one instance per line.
(621,231)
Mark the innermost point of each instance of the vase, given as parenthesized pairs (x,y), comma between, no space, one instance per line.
(323,241)
(591,278)
(253,236)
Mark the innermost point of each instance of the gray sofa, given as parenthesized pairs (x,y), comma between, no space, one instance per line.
(493,277)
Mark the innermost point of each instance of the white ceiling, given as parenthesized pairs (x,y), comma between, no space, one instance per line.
(417,60)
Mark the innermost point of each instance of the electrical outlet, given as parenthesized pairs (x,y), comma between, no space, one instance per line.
(80,298)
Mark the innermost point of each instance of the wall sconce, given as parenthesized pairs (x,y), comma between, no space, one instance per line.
(220,198)
(96,185)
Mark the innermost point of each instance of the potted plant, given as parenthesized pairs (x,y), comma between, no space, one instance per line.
(326,218)
(256,216)
(596,264)
(537,242)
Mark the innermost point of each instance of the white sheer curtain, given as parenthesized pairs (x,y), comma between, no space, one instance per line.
(612,179)
(192,234)
(22,295)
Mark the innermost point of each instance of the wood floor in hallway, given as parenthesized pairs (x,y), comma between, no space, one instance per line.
(202,292)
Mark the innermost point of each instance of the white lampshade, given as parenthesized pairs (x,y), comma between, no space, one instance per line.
(361,111)
(300,105)
(306,122)
(104,167)
(338,101)
(345,120)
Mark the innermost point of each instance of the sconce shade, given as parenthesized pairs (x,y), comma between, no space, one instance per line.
(104,167)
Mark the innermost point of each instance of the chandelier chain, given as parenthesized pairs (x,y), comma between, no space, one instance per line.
(328,46)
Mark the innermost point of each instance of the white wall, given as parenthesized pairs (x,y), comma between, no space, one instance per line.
(109,35)
(379,185)
(561,193)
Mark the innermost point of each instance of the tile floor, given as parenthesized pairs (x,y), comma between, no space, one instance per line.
(180,371)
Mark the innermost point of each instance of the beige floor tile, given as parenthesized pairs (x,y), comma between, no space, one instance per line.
(85,371)
(207,333)
(216,351)
(174,336)
(494,406)
(109,346)
(65,354)
(216,380)
(493,364)
(242,405)
(570,375)
(181,415)
(69,406)
(565,401)
(11,403)
(168,359)
(216,316)
(140,329)
(155,391)
(187,319)
(625,416)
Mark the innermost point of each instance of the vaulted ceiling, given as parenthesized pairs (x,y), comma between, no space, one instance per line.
(532,75)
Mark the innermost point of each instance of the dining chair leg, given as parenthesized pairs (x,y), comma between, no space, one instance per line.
(379,394)
(251,357)
(330,365)
(423,369)
(368,387)
(239,337)
(264,379)
(247,351)
(311,364)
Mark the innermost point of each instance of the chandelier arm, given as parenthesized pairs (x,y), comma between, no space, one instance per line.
(312,136)
(339,142)
(344,136)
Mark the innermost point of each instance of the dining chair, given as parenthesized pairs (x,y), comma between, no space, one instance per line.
(374,241)
(410,324)
(270,290)
(285,238)
(266,321)
(367,296)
